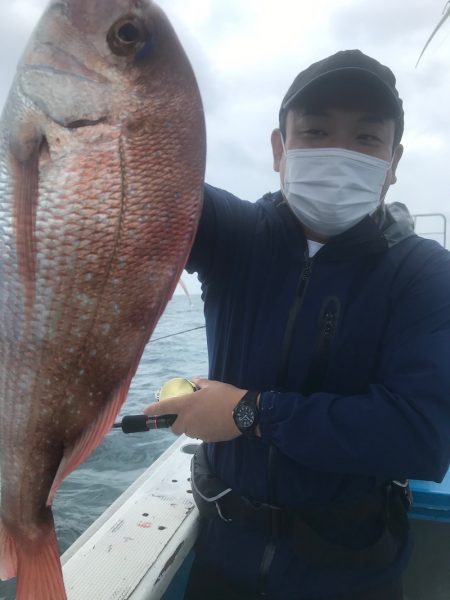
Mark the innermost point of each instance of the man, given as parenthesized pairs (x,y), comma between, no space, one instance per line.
(328,327)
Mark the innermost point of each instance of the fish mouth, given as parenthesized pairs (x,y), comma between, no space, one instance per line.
(85,123)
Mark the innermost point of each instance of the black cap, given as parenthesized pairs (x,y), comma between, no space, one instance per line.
(347,62)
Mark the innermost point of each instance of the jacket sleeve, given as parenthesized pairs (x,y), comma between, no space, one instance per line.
(225,227)
(400,428)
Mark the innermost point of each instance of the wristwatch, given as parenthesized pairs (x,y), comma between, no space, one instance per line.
(246,413)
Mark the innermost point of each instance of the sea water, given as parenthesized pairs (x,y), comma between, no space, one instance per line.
(121,458)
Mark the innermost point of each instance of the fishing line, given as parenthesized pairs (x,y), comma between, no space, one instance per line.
(177,333)
(137,423)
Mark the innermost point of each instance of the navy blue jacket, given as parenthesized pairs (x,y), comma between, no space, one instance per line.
(359,394)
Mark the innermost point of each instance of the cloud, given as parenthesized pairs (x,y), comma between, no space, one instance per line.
(383,24)
(246,54)
(17,19)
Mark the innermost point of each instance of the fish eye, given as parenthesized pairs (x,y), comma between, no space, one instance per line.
(126,36)
(128,33)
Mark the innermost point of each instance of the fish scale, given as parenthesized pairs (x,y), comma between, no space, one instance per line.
(102,150)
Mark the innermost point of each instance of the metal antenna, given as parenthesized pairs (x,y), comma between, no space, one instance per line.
(446,15)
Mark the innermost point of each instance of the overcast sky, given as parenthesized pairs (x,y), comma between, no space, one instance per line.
(246,53)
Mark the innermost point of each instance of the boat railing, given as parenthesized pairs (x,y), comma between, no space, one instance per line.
(432,225)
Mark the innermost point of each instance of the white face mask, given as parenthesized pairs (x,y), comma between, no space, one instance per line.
(332,189)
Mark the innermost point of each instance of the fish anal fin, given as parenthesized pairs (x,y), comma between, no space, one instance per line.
(8,555)
(26,146)
(89,439)
(39,573)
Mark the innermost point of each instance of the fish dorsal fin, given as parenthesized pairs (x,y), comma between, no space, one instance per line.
(26,146)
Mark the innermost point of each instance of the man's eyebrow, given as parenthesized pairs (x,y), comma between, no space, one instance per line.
(314,112)
(372,118)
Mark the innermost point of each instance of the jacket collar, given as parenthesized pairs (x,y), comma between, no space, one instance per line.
(373,235)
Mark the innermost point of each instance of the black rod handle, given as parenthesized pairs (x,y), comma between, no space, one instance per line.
(136,423)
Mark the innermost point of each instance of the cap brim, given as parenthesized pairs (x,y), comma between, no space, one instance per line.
(357,71)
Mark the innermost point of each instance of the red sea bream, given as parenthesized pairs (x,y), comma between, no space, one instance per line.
(101,170)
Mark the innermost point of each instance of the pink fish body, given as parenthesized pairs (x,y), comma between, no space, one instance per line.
(102,150)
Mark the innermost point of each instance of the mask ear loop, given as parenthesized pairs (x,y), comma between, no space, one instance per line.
(283,192)
(389,170)
(282,143)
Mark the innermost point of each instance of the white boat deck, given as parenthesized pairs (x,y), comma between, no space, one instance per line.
(134,549)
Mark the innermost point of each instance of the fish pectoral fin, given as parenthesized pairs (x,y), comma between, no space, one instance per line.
(89,440)
(27,147)
(8,555)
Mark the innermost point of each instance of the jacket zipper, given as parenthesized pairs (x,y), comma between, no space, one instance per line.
(302,284)
(327,328)
(269,550)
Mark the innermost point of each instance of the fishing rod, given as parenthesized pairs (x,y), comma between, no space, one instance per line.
(136,423)
(172,388)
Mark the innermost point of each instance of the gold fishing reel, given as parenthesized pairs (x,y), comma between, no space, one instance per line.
(178,386)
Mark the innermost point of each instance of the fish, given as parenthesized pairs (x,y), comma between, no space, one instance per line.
(102,157)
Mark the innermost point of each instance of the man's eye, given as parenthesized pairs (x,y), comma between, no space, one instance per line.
(368,137)
(314,132)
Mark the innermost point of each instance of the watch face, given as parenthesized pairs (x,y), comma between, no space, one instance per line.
(245,416)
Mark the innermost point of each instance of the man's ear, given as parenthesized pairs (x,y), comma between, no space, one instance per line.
(398,153)
(277,149)
(391,176)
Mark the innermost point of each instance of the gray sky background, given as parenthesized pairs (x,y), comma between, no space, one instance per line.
(247,52)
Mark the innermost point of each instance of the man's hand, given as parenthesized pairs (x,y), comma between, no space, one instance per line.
(206,414)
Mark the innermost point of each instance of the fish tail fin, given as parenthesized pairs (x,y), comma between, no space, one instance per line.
(8,554)
(39,574)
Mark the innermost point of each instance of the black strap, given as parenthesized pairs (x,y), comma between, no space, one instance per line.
(264,568)
(312,547)
(307,528)
(274,524)
(381,553)
(275,516)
